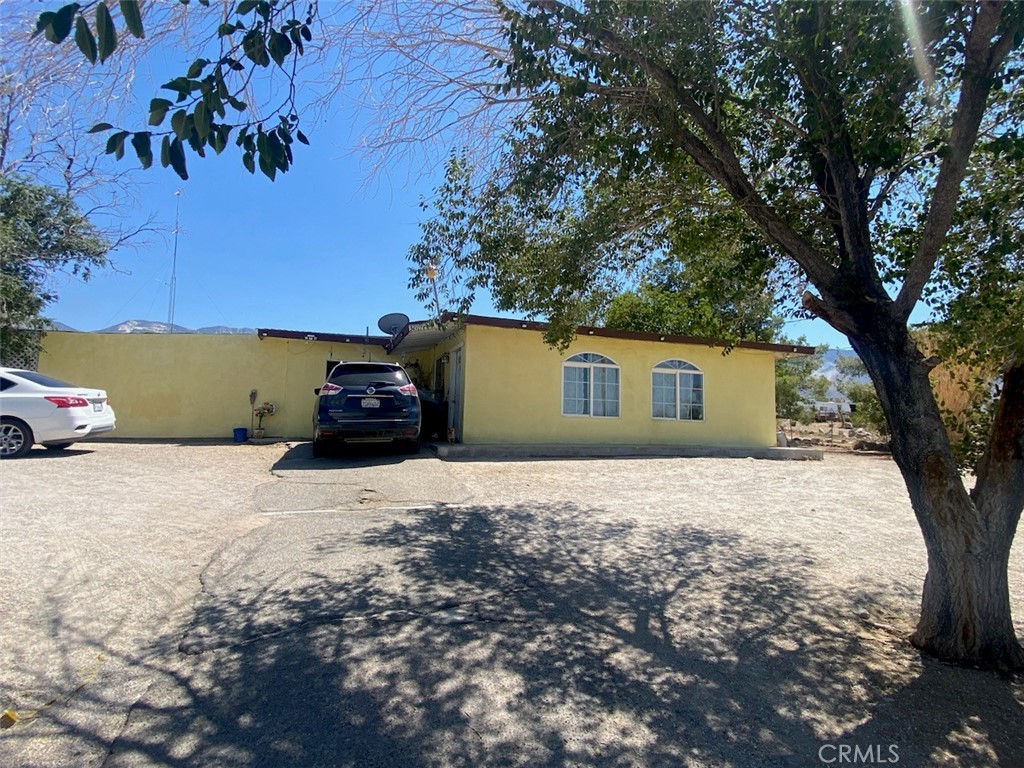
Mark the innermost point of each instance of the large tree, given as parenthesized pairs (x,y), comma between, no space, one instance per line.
(43,234)
(844,133)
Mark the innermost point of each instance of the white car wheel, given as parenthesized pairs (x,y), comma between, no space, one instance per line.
(15,438)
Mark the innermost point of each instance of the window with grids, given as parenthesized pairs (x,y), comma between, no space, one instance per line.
(590,386)
(677,391)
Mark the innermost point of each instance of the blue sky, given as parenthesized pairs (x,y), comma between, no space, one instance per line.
(322,248)
(318,249)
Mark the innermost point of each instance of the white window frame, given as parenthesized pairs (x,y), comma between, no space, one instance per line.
(573,363)
(663,369)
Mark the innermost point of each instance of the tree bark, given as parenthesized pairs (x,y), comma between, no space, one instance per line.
(965,606)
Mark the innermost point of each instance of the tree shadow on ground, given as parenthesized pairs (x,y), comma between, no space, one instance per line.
(550,635)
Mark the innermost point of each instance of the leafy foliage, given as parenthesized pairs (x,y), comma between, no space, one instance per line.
(681,300)
(254,35)
(796,382)
(867,410)
(42,232)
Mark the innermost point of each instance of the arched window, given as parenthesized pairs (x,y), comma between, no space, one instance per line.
(590,386)
(677,391)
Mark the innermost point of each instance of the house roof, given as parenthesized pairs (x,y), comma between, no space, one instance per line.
(344,338)
(452,321)
(424,334)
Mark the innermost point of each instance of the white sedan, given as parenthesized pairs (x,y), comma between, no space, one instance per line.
(40,409)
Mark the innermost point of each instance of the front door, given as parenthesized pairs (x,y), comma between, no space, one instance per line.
(455,393)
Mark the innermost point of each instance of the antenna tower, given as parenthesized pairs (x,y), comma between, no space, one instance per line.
(174,262)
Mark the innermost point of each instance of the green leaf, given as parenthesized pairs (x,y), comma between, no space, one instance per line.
(255,48)
(217,141)
(179,122)
(60,25)
(248,162)
(143,148)
(201,119)
(100,127)
(196,143)
(197,67)
(158,110)
(105,31)
(267,166)
(277,154)
(165,151)
(181,85)
(176,154)
(224,132)
(301,137)
(296,39)
(84,39)
(280,46)
(115,144)
(215,104)
(245,6)
(132,17)
(44,23)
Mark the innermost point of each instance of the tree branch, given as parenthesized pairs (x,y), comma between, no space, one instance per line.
(981,61)
(714,153)
(1000,486)
(839,186)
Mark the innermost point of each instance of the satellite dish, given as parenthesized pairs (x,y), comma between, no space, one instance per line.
(393,323)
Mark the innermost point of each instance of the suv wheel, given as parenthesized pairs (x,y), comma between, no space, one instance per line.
(319,449)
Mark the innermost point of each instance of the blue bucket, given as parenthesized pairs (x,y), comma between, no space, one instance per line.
(241,434)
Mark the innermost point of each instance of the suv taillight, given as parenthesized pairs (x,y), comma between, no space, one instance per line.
(330,389)
(408,389)
(68,402)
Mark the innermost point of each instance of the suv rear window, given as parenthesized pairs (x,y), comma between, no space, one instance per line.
(365,375)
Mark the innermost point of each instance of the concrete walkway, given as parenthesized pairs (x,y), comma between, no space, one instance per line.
(602,451)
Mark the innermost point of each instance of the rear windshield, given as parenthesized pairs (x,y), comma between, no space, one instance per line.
(38,378)
(365,375)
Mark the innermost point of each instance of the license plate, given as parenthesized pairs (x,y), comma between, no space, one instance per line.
(369,402)
(98,407)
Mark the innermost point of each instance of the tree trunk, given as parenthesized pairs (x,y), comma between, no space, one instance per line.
(965,607)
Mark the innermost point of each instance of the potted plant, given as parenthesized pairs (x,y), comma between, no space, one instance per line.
(261,411)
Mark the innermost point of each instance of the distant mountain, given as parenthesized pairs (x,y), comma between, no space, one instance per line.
(144,326)
(223,329)
(153,326)
(62,327)
(830,371)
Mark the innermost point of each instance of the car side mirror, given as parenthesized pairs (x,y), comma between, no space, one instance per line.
(316,391)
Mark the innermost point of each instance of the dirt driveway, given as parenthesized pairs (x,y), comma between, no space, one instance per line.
(198,605)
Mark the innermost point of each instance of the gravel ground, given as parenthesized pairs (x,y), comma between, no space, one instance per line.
(248,605)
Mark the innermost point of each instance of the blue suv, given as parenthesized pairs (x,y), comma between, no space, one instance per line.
(365,403)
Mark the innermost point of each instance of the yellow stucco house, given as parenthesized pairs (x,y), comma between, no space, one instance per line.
(501,382)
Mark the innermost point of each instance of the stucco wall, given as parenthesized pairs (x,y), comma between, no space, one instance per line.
(196,385)
(514,393)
